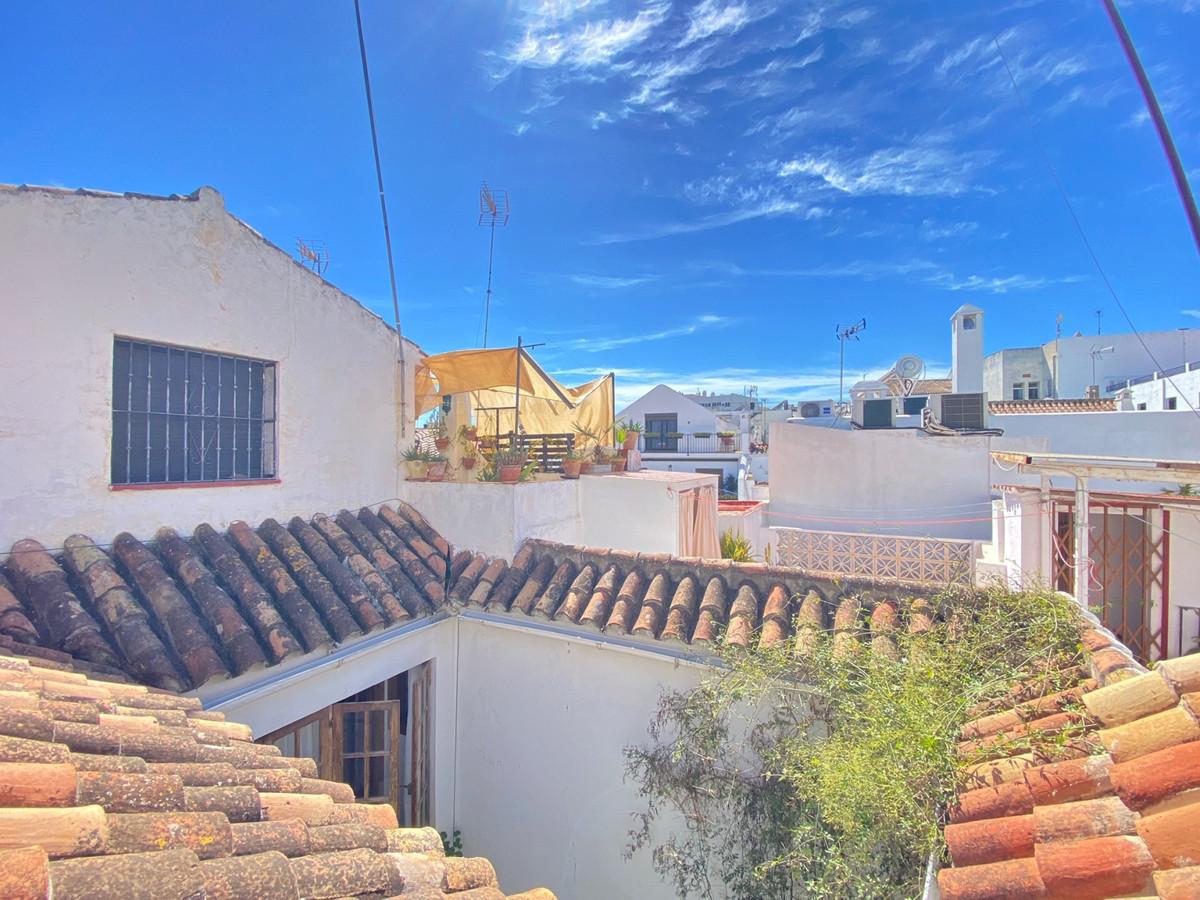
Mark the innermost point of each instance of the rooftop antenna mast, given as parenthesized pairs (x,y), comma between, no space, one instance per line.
(493,211)
(844,334)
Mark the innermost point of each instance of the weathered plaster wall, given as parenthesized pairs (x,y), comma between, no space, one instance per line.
(79,269)
(637,511)
(543,721)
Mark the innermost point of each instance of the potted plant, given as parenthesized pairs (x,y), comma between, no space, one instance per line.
(441,432)
(726,440)
(468,434)
(702,434)
(602,460)
(415,462)
(573,462)
(618,462)
(510,464)
(627,434)
(435,469)
(470,456)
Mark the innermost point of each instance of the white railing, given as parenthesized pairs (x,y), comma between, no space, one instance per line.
(912,560)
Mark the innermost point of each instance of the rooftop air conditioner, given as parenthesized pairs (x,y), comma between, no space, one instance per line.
(963,412)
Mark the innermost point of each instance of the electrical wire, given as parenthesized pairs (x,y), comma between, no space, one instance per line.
(1066,198)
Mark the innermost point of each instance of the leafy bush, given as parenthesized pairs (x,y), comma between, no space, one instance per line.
(735,546)
(826,774)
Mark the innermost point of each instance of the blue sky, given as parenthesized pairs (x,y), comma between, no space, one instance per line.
(701,191)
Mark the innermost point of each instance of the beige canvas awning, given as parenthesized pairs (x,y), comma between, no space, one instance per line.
(491,378)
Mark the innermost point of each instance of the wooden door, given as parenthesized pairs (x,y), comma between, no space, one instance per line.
(420,765)
(366,747)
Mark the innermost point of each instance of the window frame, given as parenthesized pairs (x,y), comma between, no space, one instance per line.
(1018,390)
(167,413)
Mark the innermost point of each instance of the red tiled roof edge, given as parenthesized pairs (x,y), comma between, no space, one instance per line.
(1116,811)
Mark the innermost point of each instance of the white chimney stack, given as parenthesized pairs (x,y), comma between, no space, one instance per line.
(966,352)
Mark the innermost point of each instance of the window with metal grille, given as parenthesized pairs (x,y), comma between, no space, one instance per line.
(189,416)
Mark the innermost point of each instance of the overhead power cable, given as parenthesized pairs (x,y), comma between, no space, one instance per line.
(1066,198)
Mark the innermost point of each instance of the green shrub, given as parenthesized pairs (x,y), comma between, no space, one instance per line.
(828,775)
(735,546)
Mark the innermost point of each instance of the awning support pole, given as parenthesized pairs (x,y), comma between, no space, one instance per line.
(1082,542)
(517,403)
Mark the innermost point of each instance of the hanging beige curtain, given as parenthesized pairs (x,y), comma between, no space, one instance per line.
(708,545)
(687,523)
(698,523)
(589,406)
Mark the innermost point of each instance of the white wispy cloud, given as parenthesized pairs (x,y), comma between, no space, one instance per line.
(767,209)
(925,168)
(610,282)
(931,230)
(711,18)
(595,344)
(1194,313)
(552,40)
(997,284)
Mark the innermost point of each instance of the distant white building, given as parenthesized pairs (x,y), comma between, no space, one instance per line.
(681,435)
(1174,388)
(1067,366)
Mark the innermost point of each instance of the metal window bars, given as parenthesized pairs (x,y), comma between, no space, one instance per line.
(182,415)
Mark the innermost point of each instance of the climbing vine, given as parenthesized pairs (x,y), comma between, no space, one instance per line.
(826,773)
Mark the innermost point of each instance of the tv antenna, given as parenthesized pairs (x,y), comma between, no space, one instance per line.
(844,334)
(313,254)
(493,211)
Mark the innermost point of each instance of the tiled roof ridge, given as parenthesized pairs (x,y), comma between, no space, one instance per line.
(180,612)
(116,790)
(1114,809)
(685,602)
(177,613)
(1052,405)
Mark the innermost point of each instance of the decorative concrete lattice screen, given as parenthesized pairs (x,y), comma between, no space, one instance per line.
(912,560)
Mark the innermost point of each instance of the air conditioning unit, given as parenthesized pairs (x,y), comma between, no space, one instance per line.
(877,413)
(963,412)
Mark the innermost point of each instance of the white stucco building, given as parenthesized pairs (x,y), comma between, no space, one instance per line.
(680,435)
(128,308)
(1067,366)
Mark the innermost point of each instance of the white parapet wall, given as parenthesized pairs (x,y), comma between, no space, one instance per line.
(632,511)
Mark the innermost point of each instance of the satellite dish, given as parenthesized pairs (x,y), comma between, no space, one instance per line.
(909,366)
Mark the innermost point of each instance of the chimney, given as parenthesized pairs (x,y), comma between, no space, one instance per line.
(966,351)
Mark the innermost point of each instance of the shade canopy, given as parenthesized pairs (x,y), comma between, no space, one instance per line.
(491,379)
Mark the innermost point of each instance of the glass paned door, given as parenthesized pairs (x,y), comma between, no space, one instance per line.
(658,427)
(367,738)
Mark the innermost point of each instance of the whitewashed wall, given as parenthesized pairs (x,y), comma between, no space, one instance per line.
(1128,358)
(543,721)
(827,479)
(79,269)
(691,415)
(635,511)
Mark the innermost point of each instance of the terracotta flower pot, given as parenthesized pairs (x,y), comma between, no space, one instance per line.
(585,468)
(510,474)
(631,440)
(436,471)
(441,443)
(618,464)
(416,468)
(468,462)
(472,433)
(571,467)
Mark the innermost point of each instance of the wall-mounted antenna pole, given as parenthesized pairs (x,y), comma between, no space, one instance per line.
(843,335)
(493,211)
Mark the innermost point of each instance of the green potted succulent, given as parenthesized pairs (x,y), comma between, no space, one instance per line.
(441,432)
(627,434)
(416,462)
(510,464)
(573,462)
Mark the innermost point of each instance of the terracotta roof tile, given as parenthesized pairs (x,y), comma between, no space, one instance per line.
(1068,405)
(1104,822)
(83,814)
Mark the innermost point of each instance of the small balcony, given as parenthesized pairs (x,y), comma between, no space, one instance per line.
(698,444)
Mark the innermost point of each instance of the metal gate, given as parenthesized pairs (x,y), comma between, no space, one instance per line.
(1129,569)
